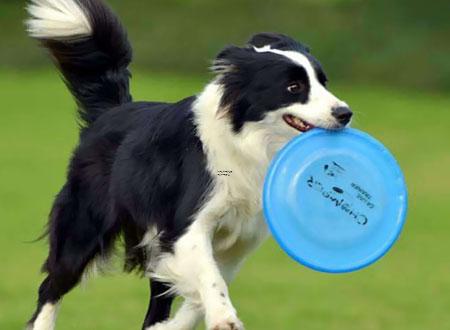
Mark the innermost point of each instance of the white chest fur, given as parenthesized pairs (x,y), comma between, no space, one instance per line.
(236,236)
(237,162)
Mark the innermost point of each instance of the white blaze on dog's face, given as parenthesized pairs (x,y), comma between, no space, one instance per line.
(277,85)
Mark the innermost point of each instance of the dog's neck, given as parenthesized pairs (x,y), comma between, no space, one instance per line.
(237,160)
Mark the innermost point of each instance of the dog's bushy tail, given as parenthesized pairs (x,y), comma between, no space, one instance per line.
(89,46)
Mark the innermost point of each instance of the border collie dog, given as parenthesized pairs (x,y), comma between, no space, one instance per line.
(180,182)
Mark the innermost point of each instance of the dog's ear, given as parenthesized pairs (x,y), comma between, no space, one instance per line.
(266,39)
(276,41)
(230,59)
(232,65)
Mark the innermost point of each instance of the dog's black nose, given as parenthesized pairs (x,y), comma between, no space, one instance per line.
(342,114)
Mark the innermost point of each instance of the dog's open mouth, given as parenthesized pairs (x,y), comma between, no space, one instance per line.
(297,123)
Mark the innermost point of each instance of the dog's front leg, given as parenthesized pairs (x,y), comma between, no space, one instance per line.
(212,288)
(195,274)
(219,311)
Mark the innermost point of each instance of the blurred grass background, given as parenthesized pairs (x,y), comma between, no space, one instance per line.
(387,59)
(388,41)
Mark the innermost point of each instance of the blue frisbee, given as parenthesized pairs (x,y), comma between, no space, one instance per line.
(335,201)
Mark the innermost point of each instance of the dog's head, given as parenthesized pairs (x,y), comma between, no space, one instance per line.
(276,83)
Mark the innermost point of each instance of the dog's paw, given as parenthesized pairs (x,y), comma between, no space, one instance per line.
(230,323)
(158,326)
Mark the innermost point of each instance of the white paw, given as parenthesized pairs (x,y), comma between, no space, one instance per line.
(228,323)
(159,326)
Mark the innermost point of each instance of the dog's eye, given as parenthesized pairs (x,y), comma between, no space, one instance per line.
(296,87)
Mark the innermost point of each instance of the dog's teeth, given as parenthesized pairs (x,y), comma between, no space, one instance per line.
(298,121)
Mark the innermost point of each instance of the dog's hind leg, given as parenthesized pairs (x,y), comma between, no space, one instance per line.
(76,238)
(44,317)
(160,304)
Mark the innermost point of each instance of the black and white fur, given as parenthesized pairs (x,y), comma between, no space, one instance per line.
(152,172)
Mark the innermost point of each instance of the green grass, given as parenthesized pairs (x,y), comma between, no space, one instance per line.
(408,289)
